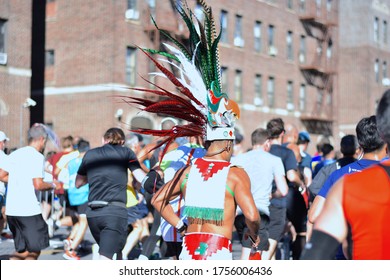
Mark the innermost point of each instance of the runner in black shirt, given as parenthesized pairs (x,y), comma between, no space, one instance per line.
(105,169)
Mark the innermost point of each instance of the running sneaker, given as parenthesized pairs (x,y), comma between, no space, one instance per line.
(67,244)
(70,255)
(50,227)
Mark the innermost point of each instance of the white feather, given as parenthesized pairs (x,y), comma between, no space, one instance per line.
(190,77)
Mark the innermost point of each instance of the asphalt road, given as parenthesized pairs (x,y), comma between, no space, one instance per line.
(56,250)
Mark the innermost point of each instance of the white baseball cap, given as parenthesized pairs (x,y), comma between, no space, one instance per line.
(3,136)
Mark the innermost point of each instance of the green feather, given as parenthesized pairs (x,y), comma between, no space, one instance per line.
(176,42)
(168,55)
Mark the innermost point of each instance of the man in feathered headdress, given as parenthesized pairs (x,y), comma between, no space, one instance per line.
(211,187)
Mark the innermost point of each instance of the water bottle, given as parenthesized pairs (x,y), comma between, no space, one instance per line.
(56,204)
(254,255)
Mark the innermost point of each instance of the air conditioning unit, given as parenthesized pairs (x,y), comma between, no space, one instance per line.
(386,82)
(272,51)
(3,58)
(258,101)
(302,58)
(132,14)
(290,106)
(239,42)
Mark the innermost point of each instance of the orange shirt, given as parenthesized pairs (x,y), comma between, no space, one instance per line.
(366,203)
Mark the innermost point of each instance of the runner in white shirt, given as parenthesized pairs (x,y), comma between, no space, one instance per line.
(24,172)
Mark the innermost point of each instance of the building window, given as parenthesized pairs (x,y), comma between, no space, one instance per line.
(152,9)
(302,98)
(290,96)
(257,36)
(199,12)
(130,65)
(329,100)
(376,70)
(238,38)
(224,26)
(385,32)
(49,58)
(272,50)
(290,4)
(238,85)
(302,5)
(318,7)
(320,97)
(152,69)
(302,49)
(258,101)
(289,42)
(271,35)
(376,29)
(329,49)
(3,35)
(384,70)
(224,79)
(132,10)
(271,92)
(329,6)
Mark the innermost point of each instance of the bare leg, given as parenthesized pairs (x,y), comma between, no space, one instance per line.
(270,254)
(79,234)
(132,238)
(26,255)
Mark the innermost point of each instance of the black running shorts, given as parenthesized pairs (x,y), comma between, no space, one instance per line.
(30,233)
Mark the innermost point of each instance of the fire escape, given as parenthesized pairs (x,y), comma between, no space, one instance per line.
(319,21)
(169,23)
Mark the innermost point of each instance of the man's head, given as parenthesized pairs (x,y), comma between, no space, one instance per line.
(368,136)
(220,148)
(3,140)
(275,128)
(133,142)
(383,117)
(37,136)
(168,123)
(303,138)
(327,151)
(349,145)
(67,142)
(114,136)
(83,146)
(260,137)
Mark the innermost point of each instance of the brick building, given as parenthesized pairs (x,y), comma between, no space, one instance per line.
(280,58)
(15,69)
(364,59)
(91,57)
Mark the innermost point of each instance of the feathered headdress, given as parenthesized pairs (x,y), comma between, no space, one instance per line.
(208,111)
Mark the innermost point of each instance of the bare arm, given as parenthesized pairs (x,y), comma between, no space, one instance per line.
(332,220)
(3,176)
(41,185)
(316,208)
(330,228)
(244,199)
(169,191)
(81,180)
(308,175)
(139,174)
(281,186)
(293,176)
(314,211)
